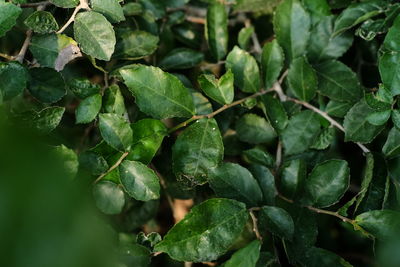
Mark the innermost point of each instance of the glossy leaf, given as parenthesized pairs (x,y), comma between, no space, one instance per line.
(92,162)
(197,150)
(245,70)
(275,112)
(83,88)
(217,29)
(383,224)
(301,132)
(48,119)
(293,178)
(244,37)
(253,129)
(136,45)
(257,155)
(109,197)
(272,60)
(95,35)
(8,16)
(367,178)
(139,181)
(392,146)
(13,79)
(115,131)
(292,28)
(114,100)
(46,85)
(302,79)
(338,82)
(324,139)
(88,109)
(277,221)
(111,9)
(327,183)
(220,90)
(233,181)
(214,226)
(181,58)
(266,180)
(152,87)
(41,22)
(245,257)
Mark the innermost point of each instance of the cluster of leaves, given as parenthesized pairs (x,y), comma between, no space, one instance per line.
(264,114)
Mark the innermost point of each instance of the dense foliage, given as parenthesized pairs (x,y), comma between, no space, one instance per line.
(204,132)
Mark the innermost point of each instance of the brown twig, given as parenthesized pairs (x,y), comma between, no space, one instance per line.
(255,226)
(5,56)
(83,4)
(116,164)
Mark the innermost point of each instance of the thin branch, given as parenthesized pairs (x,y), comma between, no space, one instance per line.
(255,226)
(116,164)
(196,20)
(83,4)
(278,160)
(5,56)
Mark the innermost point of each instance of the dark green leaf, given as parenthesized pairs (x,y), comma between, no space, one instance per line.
(213,226)
(318,9)
(111,9)
(292,28)
(233,181)
(94,163)
(327,183)
(154,88)
(367,178)
(132,254)
(148,135)
(13,78)
(83,88)
(88,109)
(220,90)
(272,60)
(46,85)
(278,221)
(217,29)
(338,82)
(244,37)
(378,118)
(136,45)
(266,181)
(302,79)
(253,129)
(392,146)
(48,119)
(383,224)
(256,155)
(114,101)
(245,70)
(357,128)
(301,132)
(293,178)
(396,118)
(109,197)
(181,58)
(197,150)
(275,111)
(316,257)
(95,35)
(245,257)
(139,181)
(116,131)
(41,22)
(338,109)
(324,139)
(68,159)
(8,17)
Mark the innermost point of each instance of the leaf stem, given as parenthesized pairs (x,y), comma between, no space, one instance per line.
(255,226)
(116,164)
(83,4)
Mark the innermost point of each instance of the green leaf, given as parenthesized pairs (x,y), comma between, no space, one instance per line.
(132,9)
(153,88)
(301,132)
(266,180)
(383,224)
(378,118)
(65,3)
(245,257)
(109,197)
(116,131)
(230,180)
(212,225)
(275,111)
(357,128)
(302,79)
(197,150)
(13,78)
(391,148)
(272,60)
(253,129)
(318,10)
(357,13)
(111,9)
(181,58)
(321,257)
(278,221)
(148,135)
(338,82)
(258,6)
(367,178)
(114,100)
(46,85)
(47,49)
(244,37)
(323,46)
(327,183)
(132,254)
(201,104)
(293,178)
(338,109)
(82,87)
(139,181)
(136,45)
(95,35)
(217,29)
(256,155)
(41,22)
(92,162)
(292,28)
(396,118)
(220,90)
(48,119)
(88,109)
(245,70)
(68,159)
(324,139)
(9,14)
